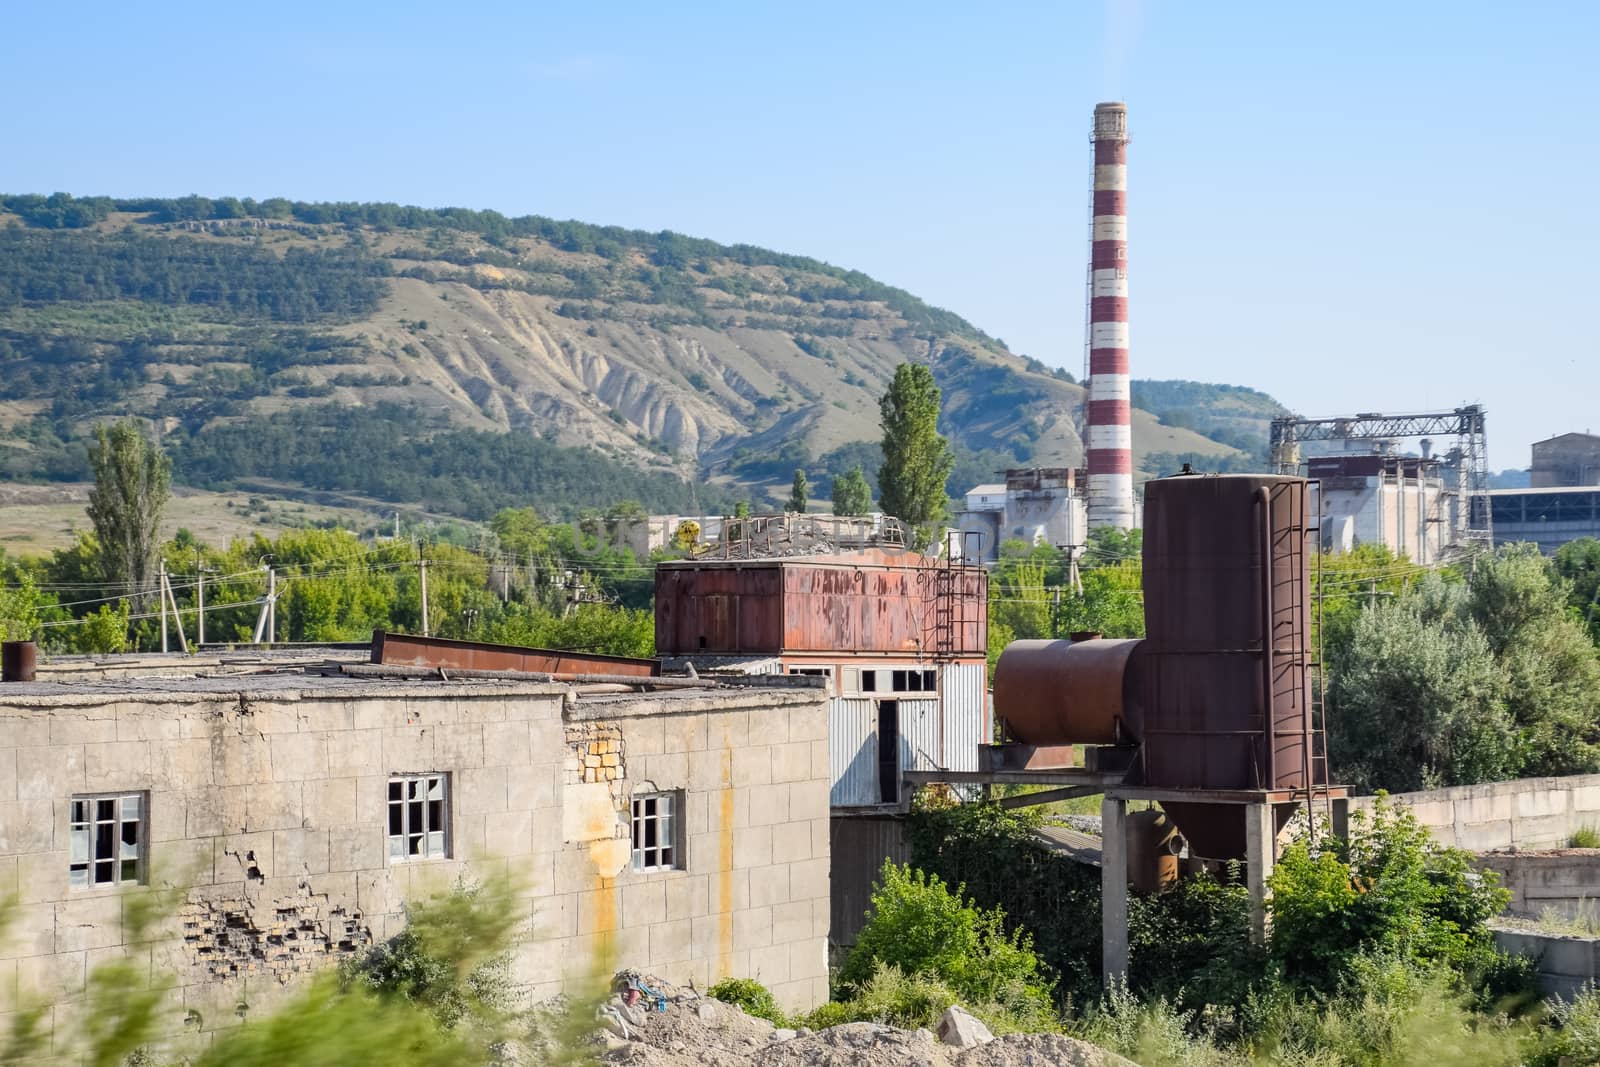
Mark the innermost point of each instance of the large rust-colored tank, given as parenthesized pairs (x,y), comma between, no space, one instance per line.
(1067,692)
(1217,694)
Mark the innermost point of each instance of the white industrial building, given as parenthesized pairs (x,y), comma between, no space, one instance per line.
(1037,505)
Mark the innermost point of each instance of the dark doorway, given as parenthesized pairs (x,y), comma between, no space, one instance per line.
(889,751)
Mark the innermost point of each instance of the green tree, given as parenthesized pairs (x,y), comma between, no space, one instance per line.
(1578,562)
(20,609)
(797,494)
(851,494)
(1418,698)
(132,480)
(1521,603)
(916,460)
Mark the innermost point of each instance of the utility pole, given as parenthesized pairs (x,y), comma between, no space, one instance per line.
(161,598)
(200,594)
(422,581)
(166,589)
(272,605)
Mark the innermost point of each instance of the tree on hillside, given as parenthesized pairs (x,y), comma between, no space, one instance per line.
(132,481)
(851,494)
(797,494)
(916,459)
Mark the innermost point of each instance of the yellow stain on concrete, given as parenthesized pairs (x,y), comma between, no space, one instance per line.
(725,864)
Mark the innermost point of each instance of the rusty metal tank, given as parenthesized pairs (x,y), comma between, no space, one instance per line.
(1227,622)
(1067,692)
(18,661)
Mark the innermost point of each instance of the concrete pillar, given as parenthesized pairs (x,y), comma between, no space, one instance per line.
(1260,850)
(1113,890)
(1340,806)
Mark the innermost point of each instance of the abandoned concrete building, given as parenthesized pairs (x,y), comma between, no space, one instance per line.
(686,828)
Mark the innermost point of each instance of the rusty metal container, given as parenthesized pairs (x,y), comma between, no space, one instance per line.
(1153,847)
(1225,687)
(18,661)
(874,601)
(1067,692)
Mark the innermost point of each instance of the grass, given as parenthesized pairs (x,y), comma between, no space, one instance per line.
(1584,837)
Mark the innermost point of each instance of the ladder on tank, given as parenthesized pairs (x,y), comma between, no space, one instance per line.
(1289,551)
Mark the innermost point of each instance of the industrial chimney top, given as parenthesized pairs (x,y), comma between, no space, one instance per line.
(1111,121)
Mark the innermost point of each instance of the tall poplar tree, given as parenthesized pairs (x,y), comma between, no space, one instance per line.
(916,460)
(851,494)
(798,494)
(132,481)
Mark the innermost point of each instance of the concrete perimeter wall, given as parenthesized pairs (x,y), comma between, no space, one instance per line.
(1566,964)
(1526,813)
(1567,883)
(269,805)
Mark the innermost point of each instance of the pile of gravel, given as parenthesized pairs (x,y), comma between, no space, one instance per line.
(695,1030)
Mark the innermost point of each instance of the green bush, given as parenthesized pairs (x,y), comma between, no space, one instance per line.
(1389,889)
(749,994)
(1573,1035)
(919,926)
(1584,837)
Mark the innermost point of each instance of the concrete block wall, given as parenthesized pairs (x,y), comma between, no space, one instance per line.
(1567,883)
(1566,964)
(269,806)
(1526,813)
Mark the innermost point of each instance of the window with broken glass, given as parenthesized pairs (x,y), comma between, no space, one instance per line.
(655,832)
(107,846)
(419,812)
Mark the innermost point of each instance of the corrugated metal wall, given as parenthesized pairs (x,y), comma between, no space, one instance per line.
(853,751)
(964,691)
(858,847)
(921,735)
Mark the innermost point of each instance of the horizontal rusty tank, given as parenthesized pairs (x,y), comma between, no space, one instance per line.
(1067,692)
(1227,622)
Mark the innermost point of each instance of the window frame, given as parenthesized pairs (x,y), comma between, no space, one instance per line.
(638,819)
(404,803)
(118,821)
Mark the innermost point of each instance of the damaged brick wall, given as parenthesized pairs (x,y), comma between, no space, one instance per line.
(234,937)
(595,752)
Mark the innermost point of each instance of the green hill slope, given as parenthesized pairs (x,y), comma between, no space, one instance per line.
(465,361)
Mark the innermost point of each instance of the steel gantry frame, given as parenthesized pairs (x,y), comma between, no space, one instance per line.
(1474,528)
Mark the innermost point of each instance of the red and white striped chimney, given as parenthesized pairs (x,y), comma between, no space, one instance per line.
(1109,425)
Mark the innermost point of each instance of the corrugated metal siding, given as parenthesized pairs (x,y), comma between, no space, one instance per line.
(853,751)
(858,847)
(964,693)
(921,737)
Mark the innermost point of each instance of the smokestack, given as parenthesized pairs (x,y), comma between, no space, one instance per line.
(1108,422)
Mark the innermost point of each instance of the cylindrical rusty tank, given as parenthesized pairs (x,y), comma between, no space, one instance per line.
(18,660)
(1225,683)
(1067,692)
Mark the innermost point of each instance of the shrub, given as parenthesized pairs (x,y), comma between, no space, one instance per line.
(749,994)
(1389,889)
(921,927)
(1574,1032)
(1584,837)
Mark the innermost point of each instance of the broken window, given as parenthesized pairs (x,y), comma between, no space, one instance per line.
(915,682)
(655,832)
(107,840)
(419,814)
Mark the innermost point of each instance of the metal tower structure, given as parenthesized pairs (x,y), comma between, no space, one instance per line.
(1473,528)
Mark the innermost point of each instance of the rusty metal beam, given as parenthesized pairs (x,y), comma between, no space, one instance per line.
(409,650)
(1050,796)
(1101,780)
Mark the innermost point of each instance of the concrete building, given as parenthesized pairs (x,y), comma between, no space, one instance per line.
(687,829)
(1569,459)
(1548,517)
(1039,505)
(1406,504)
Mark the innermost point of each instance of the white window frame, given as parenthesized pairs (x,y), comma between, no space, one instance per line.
(668,831)
(85,818)
(409,796)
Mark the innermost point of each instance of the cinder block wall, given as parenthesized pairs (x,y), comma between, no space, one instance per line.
(1567,883)
(1526,813)
(269,805)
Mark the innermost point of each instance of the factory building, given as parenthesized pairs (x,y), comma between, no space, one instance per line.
(900,642)
(300,811)
(1406,504)
(1548,517)
(1039,505)
(1569,459)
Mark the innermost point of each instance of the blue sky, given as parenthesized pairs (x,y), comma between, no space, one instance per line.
(1355,206)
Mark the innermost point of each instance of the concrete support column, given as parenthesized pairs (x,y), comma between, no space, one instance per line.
(1260,850)
(1113,890)
(1340,819)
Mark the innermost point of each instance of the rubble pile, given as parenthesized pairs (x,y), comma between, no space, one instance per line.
(649,1023)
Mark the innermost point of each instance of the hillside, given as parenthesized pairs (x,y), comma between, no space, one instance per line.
(465,361)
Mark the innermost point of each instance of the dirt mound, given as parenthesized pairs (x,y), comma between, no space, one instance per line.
(682,1028)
